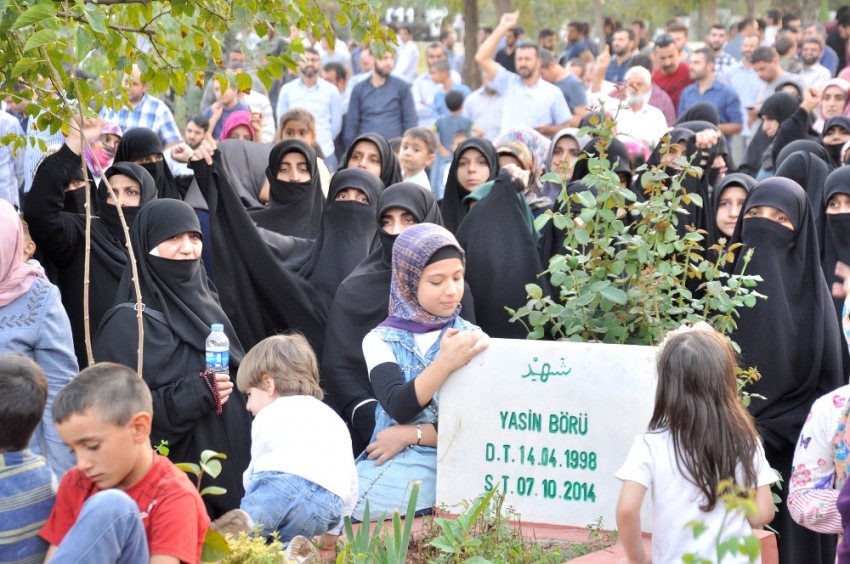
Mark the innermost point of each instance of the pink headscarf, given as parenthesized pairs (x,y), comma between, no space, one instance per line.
(16,276)
(234,120)
(842,83)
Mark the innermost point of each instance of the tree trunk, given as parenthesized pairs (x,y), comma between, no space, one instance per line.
(810,11)
(502,7)
(471,73)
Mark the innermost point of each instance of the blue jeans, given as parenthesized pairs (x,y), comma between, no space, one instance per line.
(109,530)
(290,505)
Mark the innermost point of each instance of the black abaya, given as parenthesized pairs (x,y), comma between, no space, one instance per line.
(346,236)
(792,338)
(141,142)
(295,208)
(259,296)
(184,405)
(360,304)
(501,258)
(808,145)
(60,236)
(452,208)
(390,169)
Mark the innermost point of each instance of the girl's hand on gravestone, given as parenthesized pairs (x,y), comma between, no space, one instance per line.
(459,347)
(390,442)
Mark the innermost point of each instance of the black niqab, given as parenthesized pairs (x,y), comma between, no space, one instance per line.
(360,304)
(108,213)
(346,236)
(184,407)
(792,338)
(834,235)
(295,208)
(141,142)
(501,258)
(452,206)
(390,168)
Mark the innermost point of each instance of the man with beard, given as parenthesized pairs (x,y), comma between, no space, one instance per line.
(623,46)
(813,73)
(383,104)
(529,100)
(707,88)
(639,120)
(716,41)
(671,75)
(320,98)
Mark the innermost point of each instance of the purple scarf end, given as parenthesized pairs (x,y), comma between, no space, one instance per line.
(393,322)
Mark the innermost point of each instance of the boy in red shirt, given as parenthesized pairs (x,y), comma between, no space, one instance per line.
(122,503)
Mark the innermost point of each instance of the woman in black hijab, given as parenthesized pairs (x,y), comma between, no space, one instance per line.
(500,247)
(808,145)
(372,152)
(193,409)
(143,146)
(792,338)
(836,132)
(727,200)
(362,302)
(295,192)
(61,235)
(347,234)
(808,171)
(616,153)
(478,163)
(701,111)
(834,235)
(774,112)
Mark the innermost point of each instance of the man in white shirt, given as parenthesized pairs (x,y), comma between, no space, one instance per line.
(530,101)
(424,88)
(406,55)
(638,120)
(484,107)
(318,96)
(813,73)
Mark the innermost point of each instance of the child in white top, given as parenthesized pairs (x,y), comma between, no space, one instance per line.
(700,433)
(291,486)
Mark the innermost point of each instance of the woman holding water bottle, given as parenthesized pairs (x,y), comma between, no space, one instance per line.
(191,352)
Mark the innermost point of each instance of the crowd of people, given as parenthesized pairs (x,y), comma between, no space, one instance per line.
(357,232)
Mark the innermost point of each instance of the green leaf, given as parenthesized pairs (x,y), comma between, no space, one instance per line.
(587,199)
(208,454)
(534,291)
(213,490)
(244,82)
(213,468)
(189,468)
(752,547)
(615,294)
(35,14)
(442,544)
(552,177)
(23,65)
(96,18)
(40,38)
(215,547)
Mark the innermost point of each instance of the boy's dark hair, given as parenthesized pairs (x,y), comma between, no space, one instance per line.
(23,395)
(764,54)
(115,391)
(783,45)
(201,121)
(424,134)
(641,60)
(788,18)
(454,101)
(337,68)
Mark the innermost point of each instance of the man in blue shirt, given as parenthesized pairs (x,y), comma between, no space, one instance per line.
(530,101)
(707,88)
(577,44)
(623,45)
(382,104)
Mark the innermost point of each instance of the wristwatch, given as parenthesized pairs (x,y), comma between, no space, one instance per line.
(419,433)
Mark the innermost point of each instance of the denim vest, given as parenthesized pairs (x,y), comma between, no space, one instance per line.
(387,487)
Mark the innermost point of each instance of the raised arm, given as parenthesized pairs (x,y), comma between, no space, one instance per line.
(486,51)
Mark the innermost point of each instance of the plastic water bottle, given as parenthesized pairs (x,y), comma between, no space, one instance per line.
(218,350)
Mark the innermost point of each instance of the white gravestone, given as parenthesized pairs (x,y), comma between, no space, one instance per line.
(548,424)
